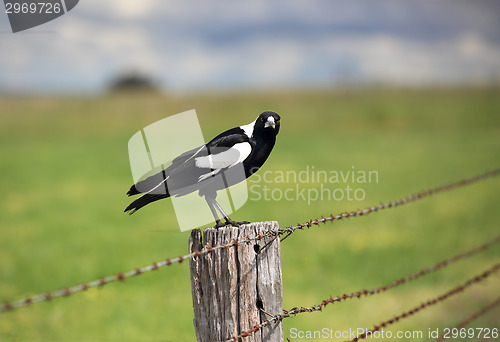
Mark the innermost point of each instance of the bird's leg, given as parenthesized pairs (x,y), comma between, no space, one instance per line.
(210,203)
(228,220)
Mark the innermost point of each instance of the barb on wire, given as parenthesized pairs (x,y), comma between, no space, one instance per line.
(430,302)
(412,198)
(359,294)
(474,316)
(272,233)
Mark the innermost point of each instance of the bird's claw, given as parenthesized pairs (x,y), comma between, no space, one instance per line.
(229,222)
(219,224)
(235,223)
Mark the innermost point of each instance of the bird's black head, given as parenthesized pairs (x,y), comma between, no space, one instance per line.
(268,123)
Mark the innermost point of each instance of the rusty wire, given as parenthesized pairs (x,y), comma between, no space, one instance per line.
(412,198)
(65,292)
(296,310)
(474,316)
(430,302)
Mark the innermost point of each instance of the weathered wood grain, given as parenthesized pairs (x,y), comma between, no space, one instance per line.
(231,286)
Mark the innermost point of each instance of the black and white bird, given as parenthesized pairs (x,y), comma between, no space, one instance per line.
(226,160)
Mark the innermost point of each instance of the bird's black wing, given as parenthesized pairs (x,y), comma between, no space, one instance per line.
(224,151)
(228,138)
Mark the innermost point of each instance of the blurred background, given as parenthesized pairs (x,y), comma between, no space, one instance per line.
(408,89)
(185,46)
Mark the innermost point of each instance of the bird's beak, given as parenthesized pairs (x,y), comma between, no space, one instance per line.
(270,123)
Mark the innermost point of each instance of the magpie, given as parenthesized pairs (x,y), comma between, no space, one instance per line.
(226,160)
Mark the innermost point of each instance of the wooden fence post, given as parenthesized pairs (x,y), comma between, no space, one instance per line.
(233,287)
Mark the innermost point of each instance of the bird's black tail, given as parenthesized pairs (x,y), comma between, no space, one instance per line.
(157,182)
(142,201)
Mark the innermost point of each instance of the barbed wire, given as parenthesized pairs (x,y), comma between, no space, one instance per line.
(430,302)
(294,311)
(65,292)
(408,199)
(474,316)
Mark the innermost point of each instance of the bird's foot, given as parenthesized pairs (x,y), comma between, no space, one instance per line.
(230,222)
(219,224)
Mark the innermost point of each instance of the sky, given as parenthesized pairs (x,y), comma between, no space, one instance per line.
(220,45)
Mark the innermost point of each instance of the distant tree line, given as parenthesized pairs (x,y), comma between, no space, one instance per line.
(133,82)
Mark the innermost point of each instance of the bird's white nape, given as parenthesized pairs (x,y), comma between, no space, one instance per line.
(248,129)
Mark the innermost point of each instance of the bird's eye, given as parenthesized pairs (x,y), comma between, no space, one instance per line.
(262,119)
(277,121)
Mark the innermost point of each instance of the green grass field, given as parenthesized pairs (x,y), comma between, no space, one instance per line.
(64,173)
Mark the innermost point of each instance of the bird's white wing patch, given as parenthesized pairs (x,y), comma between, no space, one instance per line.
(236,154)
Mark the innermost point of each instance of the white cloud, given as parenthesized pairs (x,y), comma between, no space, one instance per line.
(391,59)
(208,45)
(120,9)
